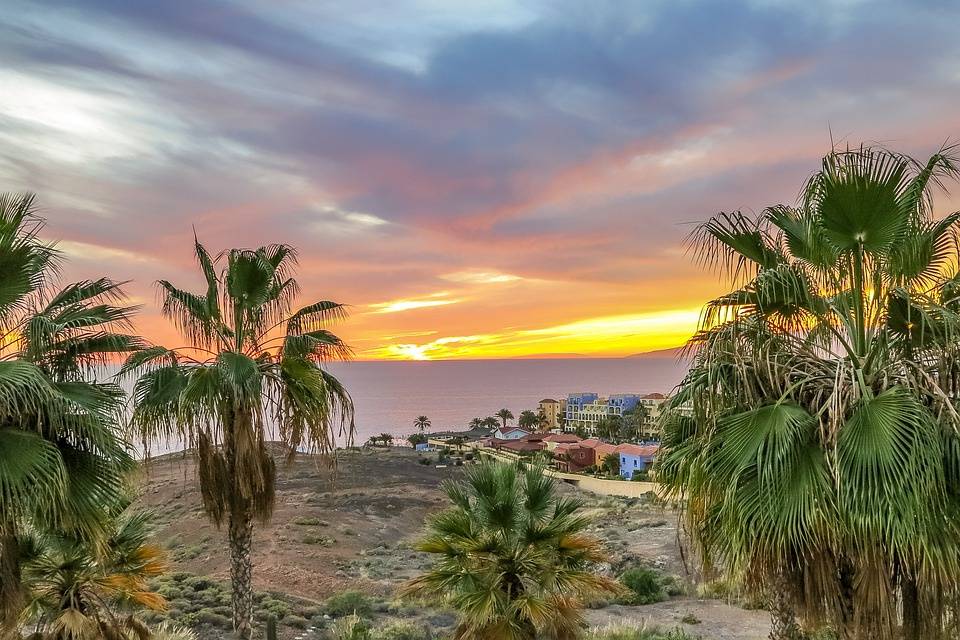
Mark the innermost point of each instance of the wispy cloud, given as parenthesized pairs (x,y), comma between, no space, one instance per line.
(517,155)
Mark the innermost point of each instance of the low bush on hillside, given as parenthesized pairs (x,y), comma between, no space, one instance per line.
(203,605)
(347,603)
(401,630)
(626,632)
(645,586)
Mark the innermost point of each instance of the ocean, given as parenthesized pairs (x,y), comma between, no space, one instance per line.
(390,395)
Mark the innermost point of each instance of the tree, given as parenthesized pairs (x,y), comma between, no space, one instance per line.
(529,420)
(815,436)
(581,432)
(417,438)
(611,463)
(62,454)
(386,439)
(631,427)
(609,428)
(504,415)
(81,589)
(513,557)
(421,423)
(457,441)
(477,423)
(491,422)
(250,362)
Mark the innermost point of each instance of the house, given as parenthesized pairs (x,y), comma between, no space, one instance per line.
(636,457)
(510,433)
(554,439)
(599,448)
(469,437)
(571,457)
(552,412)
(524,444)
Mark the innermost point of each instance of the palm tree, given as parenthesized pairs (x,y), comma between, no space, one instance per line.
(62,454)
(529,420)
(477,423)
(251,361)
(609,428)
(821,462)
(490,422)
(513,557)
(82,590)
(386,439)
(422,422)
(504,415)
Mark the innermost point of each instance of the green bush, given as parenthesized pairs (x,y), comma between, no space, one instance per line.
(626,632)
(348,602)
(401,630)
(351,627)
(296,622)
(645,585)
(305,521)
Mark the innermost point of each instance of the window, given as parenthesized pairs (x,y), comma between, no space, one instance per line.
(634,463)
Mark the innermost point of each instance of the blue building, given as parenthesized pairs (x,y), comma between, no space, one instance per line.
(620,403)
(636,458)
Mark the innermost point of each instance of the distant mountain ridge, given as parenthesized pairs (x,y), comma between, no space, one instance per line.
(674,352)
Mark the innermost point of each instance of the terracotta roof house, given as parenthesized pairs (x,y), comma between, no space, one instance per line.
(510,433)
(553,439)
(572,457)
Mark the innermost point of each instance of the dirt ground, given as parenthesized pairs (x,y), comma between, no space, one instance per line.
(354,530)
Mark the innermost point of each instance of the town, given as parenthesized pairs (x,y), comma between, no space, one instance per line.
(615,435)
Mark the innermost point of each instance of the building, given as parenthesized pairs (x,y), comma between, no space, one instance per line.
(531,442)
(571,457)
(585,410)
(636,458)
(553,412)
(653,405)
(510,433)
(553,440)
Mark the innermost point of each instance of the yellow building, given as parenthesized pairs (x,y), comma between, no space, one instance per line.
(552,411)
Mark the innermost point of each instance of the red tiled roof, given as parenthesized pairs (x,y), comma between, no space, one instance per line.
(654,396)
(561,437)
(546,400)
(642,450)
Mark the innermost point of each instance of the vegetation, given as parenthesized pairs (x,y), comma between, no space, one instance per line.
(81,590)
(822,461)
(513,558)
(251,361)
(417,438)
(645,586)
(631,632)
(492,422)
(421,423)
(611,463)
(505,416)
(531,420)
(348,602)
(62,455)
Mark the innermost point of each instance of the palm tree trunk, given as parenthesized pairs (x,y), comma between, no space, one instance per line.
(11,587)
(911,609)
(241,571)
(783,618)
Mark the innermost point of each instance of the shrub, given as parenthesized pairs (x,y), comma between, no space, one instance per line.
(297,622)
(640,476)
(625,632)
(323,541)
(351,627)
(305,521)
(690,619)
(424,461)
(214,619)
(401,630)
(348,602)
(645,585)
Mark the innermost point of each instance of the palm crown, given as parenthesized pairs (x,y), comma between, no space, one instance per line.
(822,461)
(62,455)
(252,363)
(513,557)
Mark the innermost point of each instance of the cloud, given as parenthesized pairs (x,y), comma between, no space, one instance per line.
(542,160)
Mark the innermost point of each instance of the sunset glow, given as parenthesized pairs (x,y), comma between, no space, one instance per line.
(511,182)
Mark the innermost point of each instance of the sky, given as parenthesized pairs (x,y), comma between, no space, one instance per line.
(475,179)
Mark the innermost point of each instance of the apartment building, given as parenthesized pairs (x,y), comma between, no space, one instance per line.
(553,412)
